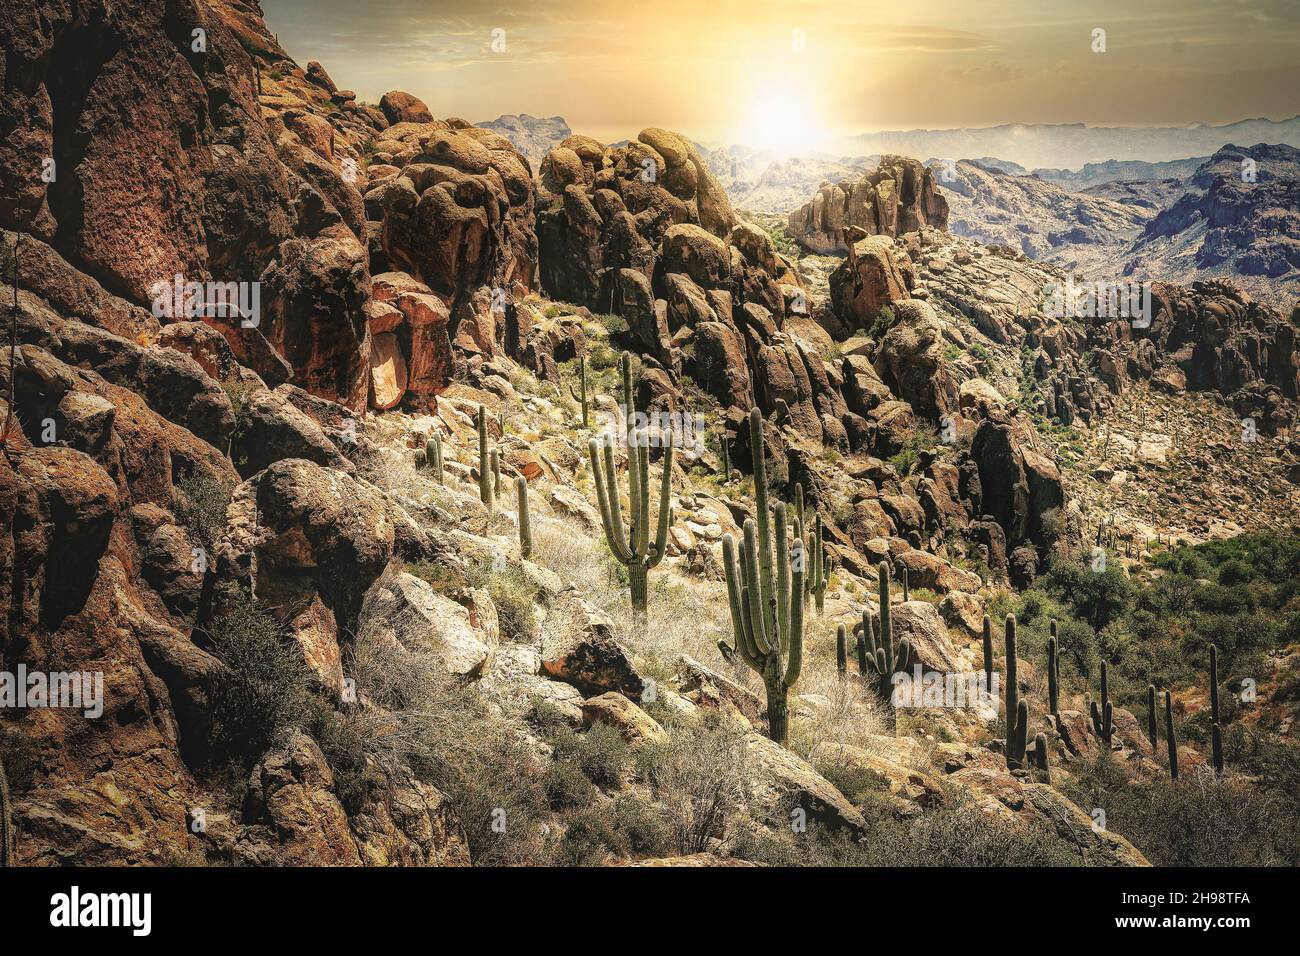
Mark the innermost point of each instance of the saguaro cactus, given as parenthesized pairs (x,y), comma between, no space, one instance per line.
(1053,672)
(766,600)
(496,473)
(988,654)
(6,822)
(1041,759)
(525,519)
(841,651)
(907,590)
(433,456)
(1169,737)
(726,458)
(1017,709)
(1151,716)
(815,582)
(580,394)
(1103,724)
(1216,731)
(882,658)
(633,548)
(485,488)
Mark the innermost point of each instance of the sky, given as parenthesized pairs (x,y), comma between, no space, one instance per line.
(799,75)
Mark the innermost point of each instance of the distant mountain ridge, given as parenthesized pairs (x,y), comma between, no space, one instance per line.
(531,135)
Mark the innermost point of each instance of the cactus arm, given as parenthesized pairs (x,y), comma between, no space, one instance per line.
(794,624)
(633,490)
(757,610)
(665,508)
(610,512)
(735,594)
(782,575)
(760,505)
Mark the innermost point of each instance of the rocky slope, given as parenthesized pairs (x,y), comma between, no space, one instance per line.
(326,638)
(1236,219)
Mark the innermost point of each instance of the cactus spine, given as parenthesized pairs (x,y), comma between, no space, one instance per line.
(767,602)
(1053,673)
(841,651)
(1169,737)
(1017,709)
(433,456)
(580,395)
(6,824)
(633,548)
(485,490)
(525,519)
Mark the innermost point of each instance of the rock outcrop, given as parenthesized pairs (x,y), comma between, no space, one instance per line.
(898,197)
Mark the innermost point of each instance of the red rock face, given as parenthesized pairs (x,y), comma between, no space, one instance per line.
(162,165)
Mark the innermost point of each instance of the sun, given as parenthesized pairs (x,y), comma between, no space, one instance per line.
(782,120)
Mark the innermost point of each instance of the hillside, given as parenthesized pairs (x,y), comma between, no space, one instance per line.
(429,494)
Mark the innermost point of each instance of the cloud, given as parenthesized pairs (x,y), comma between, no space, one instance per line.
(987,75)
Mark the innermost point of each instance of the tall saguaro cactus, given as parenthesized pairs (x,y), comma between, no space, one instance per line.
(7,850)
(633,548)
(1169,737)
(525,519)
(1103,718)
(580,394)
(1017,709)
(766,595)
(1151,716)
(1216,729)
(841,651)
(1053,672)
(485,488)
(1041,758)
(988,655)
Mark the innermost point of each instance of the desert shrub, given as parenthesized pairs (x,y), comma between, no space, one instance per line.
(261,690)
(700,776)
(201,507)
(513,594)
(626,827)
(567,787)
(1098,597)
(956,834)
(1194,821)
(601,753)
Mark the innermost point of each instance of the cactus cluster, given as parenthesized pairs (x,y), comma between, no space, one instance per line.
(765,589)
(580,394)
(1103,717)
(433,456)
(879,657)
(525,519)
(1017,709)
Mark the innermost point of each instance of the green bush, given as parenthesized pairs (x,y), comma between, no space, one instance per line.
(513,594)
(201,506)
(262,688)
(567,787)
(601,753)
